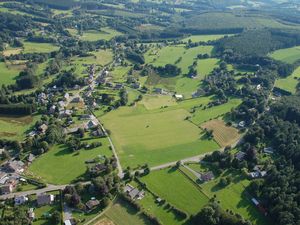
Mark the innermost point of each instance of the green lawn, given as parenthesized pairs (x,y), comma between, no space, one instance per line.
(235,198)
(121,213)
(106,33)
(157,101)
(289,83)
(33,47)
(204,38)
(156,136)
(8,73)
(15,128)
(206,66)
(288,55)
(173,186)
(187,86)
(61,166)
(202,115)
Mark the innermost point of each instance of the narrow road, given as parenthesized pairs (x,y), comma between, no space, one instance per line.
(31,192)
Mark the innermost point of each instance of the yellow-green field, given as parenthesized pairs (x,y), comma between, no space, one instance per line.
(288,55)
(106,33)
(155,136)
(289,83)
(204,38)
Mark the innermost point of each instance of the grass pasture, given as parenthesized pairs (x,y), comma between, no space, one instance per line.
(32,47)
(288,55)
(206,66)
(9,71)
(204,38)
(156,136)
(121,213)
(289,83)
(224,135)
(106,33)
(202,115)
(158,101)
(173,186)
(61,166)
(11,51)
(15,128)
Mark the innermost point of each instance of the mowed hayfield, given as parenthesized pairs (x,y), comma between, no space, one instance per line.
(288,55)
(171,54)
(33,47)
(155,136)
(10,70)
(234,197)
(224,135)
(106,33)
(157,101)
(61,166)
(122,213)
(289,83)
(202,115)
(176,189)
(15,128)
(204,38)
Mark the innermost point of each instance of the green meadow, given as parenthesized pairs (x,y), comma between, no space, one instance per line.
(202,115)
(288,55)
(206,66)
(15,128)
(176,189)
(106,33)
(157,135)
(33,47)
(61,166)
(204,38)
(289,83)
(8,73)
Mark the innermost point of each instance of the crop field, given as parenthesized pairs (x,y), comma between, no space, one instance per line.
(288,55)
(202,115)
(289,83)
(173,186)
(154,137)
(121,213)
(157,101)
(32,47)
(49,165)
(11,51)
(224,135)
(9,72)
(15,128)
(94,35)
(235,198)
(204,38)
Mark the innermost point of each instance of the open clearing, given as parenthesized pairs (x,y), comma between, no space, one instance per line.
(206,66)
(289,83)
(288,55)
(173,186)
(155,137)
(158,101)
(224,135)
(9,72)
(49,165)
(11,51)
(16,127)
(202,115)
(204,38)
(33,47)
(121,213)
(94,35)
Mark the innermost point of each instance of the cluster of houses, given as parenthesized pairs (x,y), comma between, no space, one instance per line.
(134,193)
(42,200)
(10,176)
(39,131)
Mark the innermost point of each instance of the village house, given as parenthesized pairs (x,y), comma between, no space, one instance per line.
(207,176)
(43,128)
(241,124)
(20,200)
(31,214)
(76,100)
(6,189)
(61,104)
(240,155)
(42,98)
(31,158)
(14,166)
(98,133)
(3,177)
(119,86)
(52,109)
(91,204)
(91,124)
(66,96)
(65,113)
(45,199)
(136,85)
(269,150)
(133,192)
(178,97)
(160,91)
(98,168)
